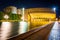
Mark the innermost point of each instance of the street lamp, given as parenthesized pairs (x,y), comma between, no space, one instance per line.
(23,24)
(23,13)
(54,9)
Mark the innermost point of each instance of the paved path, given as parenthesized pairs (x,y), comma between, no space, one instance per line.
(55,32)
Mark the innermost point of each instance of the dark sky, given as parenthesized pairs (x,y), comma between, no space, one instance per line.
(31,3)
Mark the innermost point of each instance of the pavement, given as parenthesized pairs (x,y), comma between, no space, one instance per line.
(55,32)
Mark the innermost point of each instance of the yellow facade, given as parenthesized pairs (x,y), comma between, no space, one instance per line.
(39,16)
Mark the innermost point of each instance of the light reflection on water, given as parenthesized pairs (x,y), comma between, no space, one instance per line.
(10,29)
(5,30)
(23,27)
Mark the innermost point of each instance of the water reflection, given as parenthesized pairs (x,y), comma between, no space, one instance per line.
(23,27)
(11,29)
(14,29)
(5,30)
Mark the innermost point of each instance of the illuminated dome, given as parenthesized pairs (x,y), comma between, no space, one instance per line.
(11,9)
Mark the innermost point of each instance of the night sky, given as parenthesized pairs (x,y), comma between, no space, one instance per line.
(31,4)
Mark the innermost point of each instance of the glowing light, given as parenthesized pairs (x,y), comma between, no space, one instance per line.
(23,13)
(54,9)
(56,19)
(6,16)
(23,27)
(6,30)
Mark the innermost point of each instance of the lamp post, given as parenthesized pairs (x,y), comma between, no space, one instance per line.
(54,9)
(23,24)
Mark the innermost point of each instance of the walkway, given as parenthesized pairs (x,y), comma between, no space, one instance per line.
(55,32)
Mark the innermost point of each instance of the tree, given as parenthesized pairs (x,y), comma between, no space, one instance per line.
(1,15)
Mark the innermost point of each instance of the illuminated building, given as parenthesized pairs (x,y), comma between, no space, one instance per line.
(39,16)
(11,9)
(13,13)
(19,11)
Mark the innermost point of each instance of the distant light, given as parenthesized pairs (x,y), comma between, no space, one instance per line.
(6,16)
(23,8)
(54,9)
(56,19)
